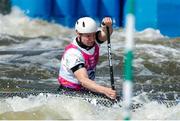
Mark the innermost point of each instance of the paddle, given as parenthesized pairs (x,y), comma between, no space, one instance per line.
(110,58)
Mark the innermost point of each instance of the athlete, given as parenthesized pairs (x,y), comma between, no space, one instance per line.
(78,63)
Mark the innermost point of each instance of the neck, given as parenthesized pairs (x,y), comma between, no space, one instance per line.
(81,44)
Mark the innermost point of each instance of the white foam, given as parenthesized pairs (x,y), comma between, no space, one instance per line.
(18,24)
(150,34)
(77,109)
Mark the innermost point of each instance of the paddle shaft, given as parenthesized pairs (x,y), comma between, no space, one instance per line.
(110,58)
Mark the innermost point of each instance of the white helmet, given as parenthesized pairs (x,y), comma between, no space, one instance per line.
(86,25)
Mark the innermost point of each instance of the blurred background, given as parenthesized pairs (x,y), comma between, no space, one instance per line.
(157,14)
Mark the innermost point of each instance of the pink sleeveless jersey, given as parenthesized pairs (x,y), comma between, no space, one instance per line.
(90,64)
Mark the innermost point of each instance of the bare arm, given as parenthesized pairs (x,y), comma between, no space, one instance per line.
(82,76)
(107,23)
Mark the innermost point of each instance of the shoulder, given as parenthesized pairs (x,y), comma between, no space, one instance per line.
(72,52)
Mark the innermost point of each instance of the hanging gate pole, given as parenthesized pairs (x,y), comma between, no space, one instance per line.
(128,59)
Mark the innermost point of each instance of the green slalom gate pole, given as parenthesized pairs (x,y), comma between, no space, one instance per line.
(128,59)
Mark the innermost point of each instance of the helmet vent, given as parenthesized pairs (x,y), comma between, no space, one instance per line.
(83,24)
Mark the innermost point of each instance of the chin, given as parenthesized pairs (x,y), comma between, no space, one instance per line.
(90,45)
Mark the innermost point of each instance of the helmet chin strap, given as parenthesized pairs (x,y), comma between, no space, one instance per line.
(81,44)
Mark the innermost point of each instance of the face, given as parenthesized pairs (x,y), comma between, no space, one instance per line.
(88,38)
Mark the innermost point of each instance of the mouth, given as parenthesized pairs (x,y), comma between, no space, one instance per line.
(90,43)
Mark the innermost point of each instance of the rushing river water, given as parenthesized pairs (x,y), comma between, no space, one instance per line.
(30,52)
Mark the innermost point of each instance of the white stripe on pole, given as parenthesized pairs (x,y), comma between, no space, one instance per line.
(127,95)
(129,32)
